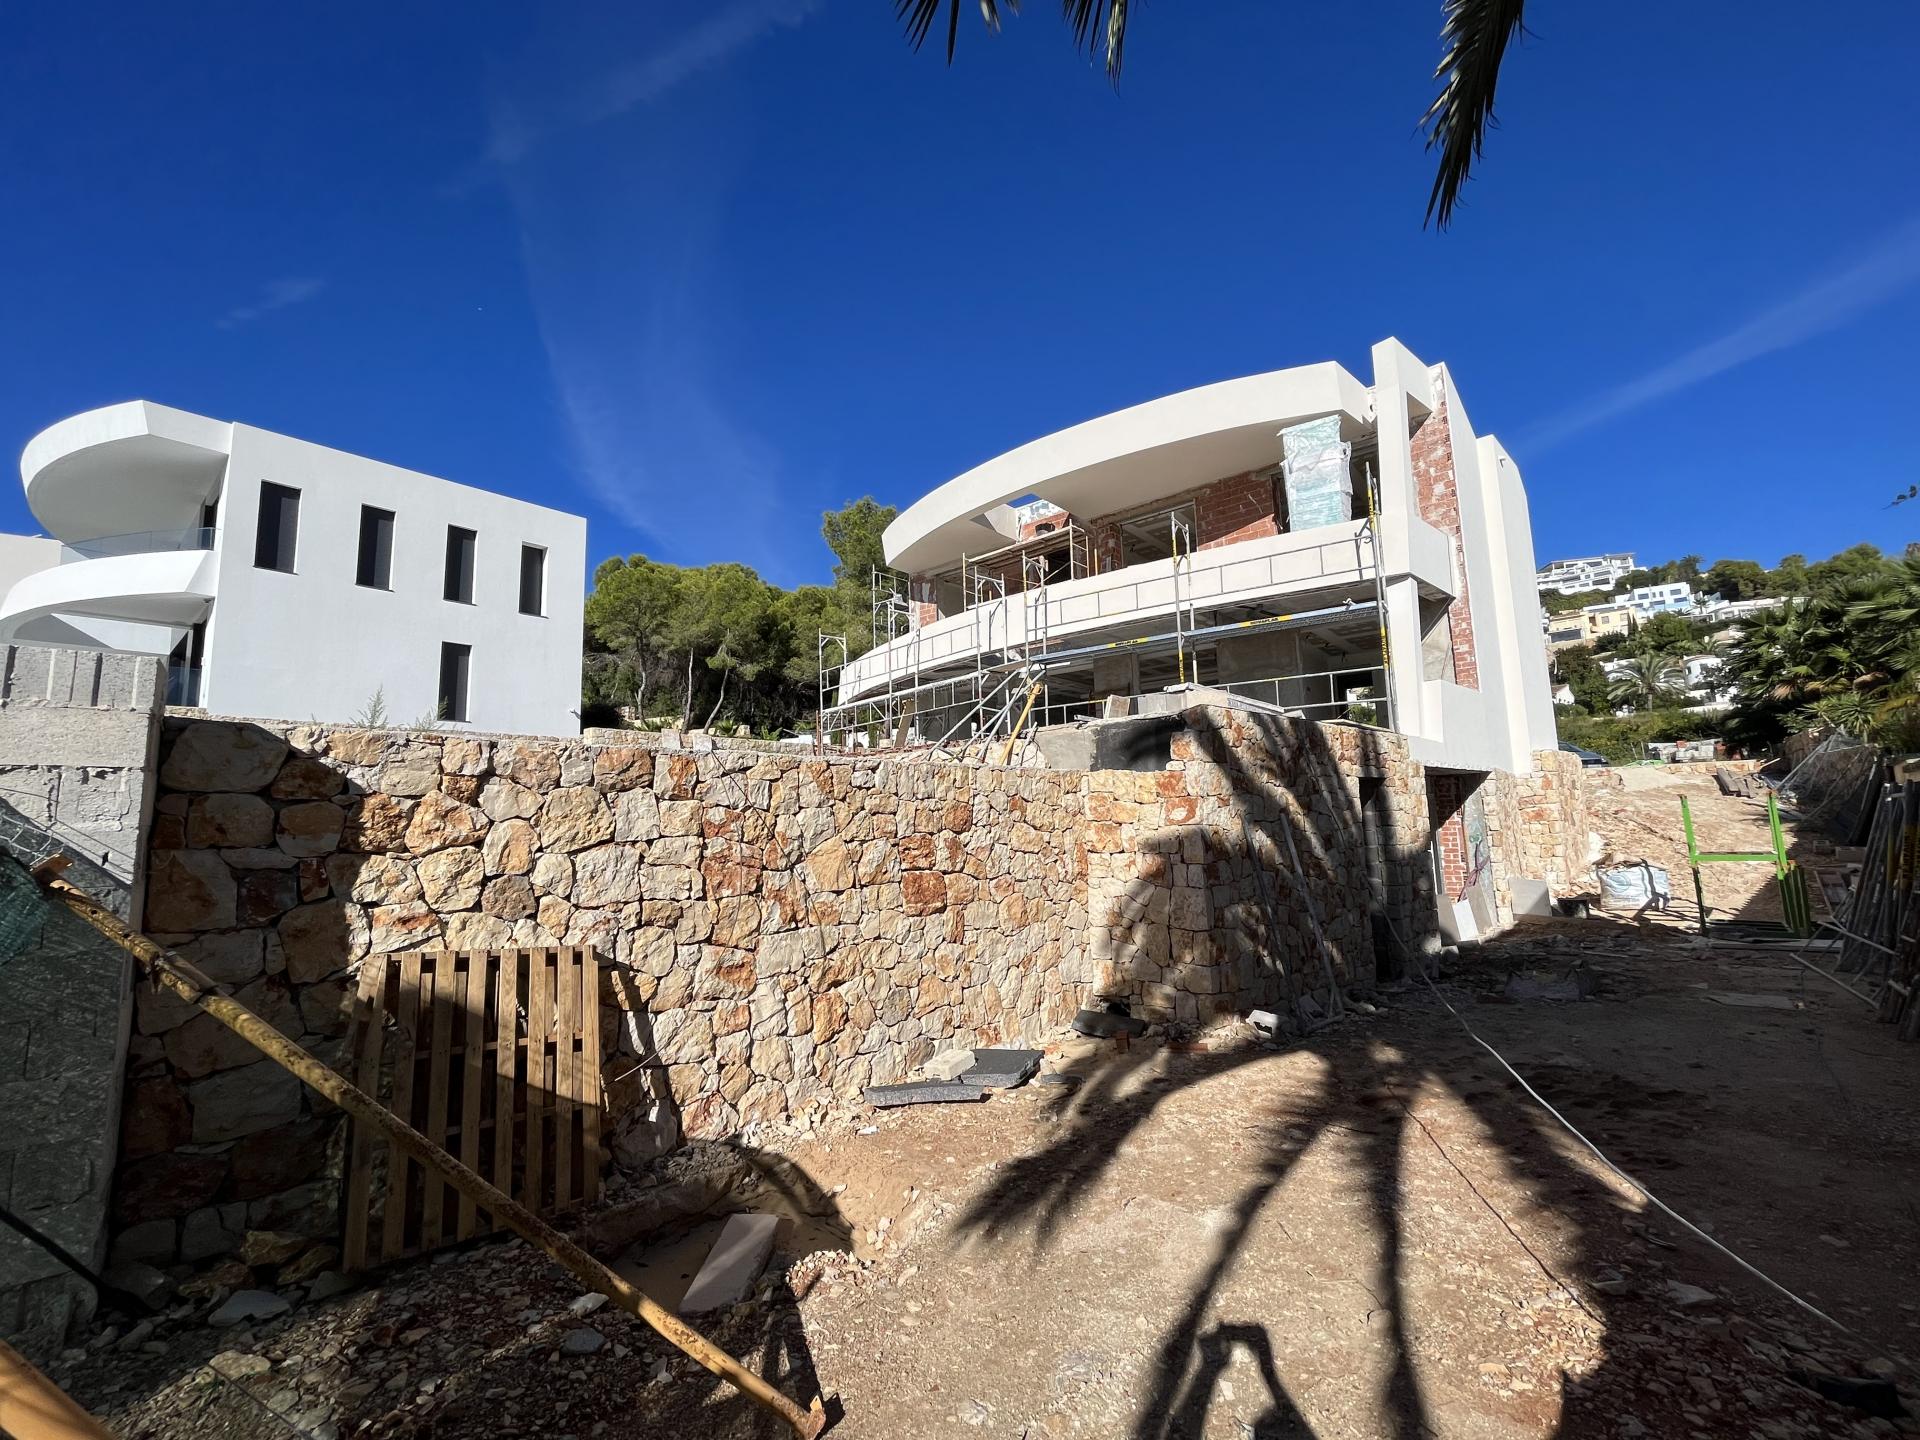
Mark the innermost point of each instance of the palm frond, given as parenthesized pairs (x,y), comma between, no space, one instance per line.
(918,16)
(1086,17)
(1475,34)
(1094,23)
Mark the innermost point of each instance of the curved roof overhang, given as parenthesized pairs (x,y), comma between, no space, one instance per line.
(1128,458)
(122,469)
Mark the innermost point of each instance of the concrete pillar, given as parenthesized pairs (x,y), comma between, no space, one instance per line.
(78,734)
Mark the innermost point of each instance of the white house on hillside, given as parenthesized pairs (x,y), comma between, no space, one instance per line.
(1585,574)
(285,580)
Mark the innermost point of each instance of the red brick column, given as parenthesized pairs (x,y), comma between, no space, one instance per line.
(1446,803)
(1436,487)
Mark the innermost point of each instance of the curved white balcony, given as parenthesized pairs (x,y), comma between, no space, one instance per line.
(123,469)
(171,588)
(1304,565)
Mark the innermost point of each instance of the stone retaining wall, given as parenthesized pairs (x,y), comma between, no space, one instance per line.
(780,929)
(1199,904)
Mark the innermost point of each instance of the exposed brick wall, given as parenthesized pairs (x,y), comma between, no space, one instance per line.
(1436,488)
(1227,511)
(1235,509)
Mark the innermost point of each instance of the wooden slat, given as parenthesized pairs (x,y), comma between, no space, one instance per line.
(539,1082)
(590,1097)
(566,975)
(541,1095)
(369,1021)
(446,999)
(506,1031)
(473,1080)
(406,1014)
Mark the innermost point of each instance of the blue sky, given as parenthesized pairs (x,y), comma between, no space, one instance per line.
(702,271)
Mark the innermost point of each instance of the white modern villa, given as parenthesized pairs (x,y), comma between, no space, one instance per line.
(1585,574)
(1221,537)
(284,580)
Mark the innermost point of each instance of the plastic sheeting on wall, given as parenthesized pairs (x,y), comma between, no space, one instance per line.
(1319,483)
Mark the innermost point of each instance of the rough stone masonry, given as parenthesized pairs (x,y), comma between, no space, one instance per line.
(781,929)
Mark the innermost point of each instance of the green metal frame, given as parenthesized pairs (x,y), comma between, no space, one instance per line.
(1796,904)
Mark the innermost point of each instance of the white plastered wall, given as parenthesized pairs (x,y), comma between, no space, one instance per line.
(314,644)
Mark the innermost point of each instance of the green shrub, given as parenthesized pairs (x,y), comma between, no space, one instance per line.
(1623,739)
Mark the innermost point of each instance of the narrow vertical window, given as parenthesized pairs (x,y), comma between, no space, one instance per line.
(533,580)
(376,549)
(275,539)
(454,662)
(460,546)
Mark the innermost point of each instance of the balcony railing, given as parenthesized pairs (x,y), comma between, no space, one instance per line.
(141,542)
(1356,695)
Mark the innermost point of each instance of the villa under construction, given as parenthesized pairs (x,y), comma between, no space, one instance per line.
(1305,540)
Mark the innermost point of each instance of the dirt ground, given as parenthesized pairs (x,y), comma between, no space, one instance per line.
(1373,1232)
(1643,822)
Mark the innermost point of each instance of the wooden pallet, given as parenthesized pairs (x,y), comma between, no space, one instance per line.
(494,1055)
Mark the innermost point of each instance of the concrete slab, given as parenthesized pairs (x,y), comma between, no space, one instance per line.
(949,1064)
(1002,1069)
(922,1092)
(733,1264)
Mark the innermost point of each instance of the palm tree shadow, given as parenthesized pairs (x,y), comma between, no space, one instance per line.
(1214,1352)
(1365,1096)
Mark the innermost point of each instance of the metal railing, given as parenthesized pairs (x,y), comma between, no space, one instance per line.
(1086,603)
(140,542)
(1357,695)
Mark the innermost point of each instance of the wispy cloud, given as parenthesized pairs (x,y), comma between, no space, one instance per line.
(278,295)
(515,131)
(1891,266)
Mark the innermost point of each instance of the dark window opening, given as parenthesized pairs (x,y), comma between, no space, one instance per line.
(454,664)
(460,548)
(275,539)
(376,549)
(533,580)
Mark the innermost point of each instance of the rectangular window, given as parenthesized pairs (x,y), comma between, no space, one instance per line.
(376,549)
(279,527)
(533,580)
(460,547)
(454,660)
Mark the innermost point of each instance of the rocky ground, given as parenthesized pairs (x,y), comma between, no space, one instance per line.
(1371,1232)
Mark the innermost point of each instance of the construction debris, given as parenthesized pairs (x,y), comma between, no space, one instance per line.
(922,1092)
(1106,1024)
(733,1264)
(1002,1069)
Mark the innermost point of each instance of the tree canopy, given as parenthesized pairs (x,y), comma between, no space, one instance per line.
(718,645)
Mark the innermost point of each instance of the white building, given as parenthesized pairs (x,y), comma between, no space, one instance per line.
(1647,601)
(285,580)
(1220,537)
(1587,573)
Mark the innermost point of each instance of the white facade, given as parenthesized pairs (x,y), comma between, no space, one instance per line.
(1649,600)
(1283,614)
(1587,573)
(167,548)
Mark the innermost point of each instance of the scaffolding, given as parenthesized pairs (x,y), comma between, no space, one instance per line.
(957,696)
